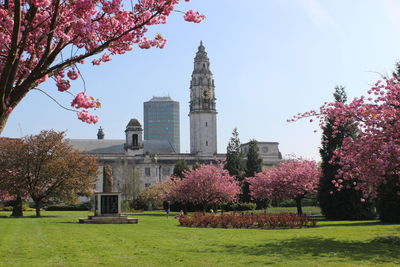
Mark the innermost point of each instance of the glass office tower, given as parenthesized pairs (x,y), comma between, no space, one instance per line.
(161,120)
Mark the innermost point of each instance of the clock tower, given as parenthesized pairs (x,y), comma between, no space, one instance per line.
(203,115)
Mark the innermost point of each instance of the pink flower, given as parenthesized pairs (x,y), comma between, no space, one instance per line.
(193,16)
(63,85)
(73,75)
(85,116)
(96,62)
(81,100)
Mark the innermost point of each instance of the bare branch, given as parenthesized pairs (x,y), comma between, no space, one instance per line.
(52,98)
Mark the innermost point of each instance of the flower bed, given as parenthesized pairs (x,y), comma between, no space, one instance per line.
(248,220)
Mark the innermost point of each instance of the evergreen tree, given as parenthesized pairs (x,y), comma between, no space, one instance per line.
(179,168)
(253,166)
(234,156)
(396,72)
(344,204)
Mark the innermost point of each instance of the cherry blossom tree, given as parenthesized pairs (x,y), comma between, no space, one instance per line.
(370,160)
(41,39)
(154,195)
(206,185)
(291,179)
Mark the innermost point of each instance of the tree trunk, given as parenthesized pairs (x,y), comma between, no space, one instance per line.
(17,207)
(3,120)
(298,205)
(38,205)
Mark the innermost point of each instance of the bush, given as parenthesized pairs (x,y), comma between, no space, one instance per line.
(7,208)
(248,220)
(126,205)
(239,206)
(71,207)
(25,207)
(308,201)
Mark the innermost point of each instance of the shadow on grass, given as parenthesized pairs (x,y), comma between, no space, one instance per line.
(29,217)
(296,248)
(351,224)
(149,215)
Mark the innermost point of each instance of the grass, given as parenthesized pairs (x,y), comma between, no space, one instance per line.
(57,240)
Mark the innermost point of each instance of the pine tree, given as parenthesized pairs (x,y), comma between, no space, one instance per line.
(180,168)
(234,156)
(344,204)
(253,166)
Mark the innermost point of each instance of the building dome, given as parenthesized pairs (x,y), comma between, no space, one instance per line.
(134,123)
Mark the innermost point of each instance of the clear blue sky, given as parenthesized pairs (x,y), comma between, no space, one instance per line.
(271,59)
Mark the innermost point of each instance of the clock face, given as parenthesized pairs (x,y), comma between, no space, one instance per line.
(206,93)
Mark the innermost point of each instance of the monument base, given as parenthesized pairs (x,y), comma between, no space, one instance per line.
(118,219)
(107,210)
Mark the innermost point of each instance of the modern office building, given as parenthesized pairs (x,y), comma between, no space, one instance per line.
(161,121)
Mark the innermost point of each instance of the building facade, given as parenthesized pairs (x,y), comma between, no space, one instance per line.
(138,163)
(161,121)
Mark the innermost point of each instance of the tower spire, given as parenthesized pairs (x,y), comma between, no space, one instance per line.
(203,122)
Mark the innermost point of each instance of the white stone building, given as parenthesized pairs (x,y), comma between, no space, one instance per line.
(137,163)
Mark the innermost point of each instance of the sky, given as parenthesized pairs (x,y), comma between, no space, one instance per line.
(271,59)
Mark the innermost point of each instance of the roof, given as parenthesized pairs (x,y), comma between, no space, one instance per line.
(161,99)
(98,145)
(104,146)
(134,122)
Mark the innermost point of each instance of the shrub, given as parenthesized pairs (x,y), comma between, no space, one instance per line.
(239,206)
(25,207)
(71,207)
(248,220)
(126,205)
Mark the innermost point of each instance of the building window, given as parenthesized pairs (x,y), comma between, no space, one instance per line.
(206,124)
(135,140)
(147,171)
(147,185)
(206,143)
(165,171)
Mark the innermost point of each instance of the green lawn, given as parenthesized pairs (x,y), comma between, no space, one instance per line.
(57,240)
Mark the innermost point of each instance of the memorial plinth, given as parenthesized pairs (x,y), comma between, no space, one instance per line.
(107,210)
(107,206)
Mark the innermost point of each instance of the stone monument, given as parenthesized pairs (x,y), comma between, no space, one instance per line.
(107,204)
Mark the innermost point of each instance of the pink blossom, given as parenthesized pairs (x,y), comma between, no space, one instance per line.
(83,101)
(82,29)
(209,184)
(85,116)
(372,156)
(288,179)
(63,85)
(193,16)
(73,75)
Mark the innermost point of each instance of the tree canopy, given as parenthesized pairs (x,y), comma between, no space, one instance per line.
(206,185)
(45,166)
(290,179)
(234,156)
